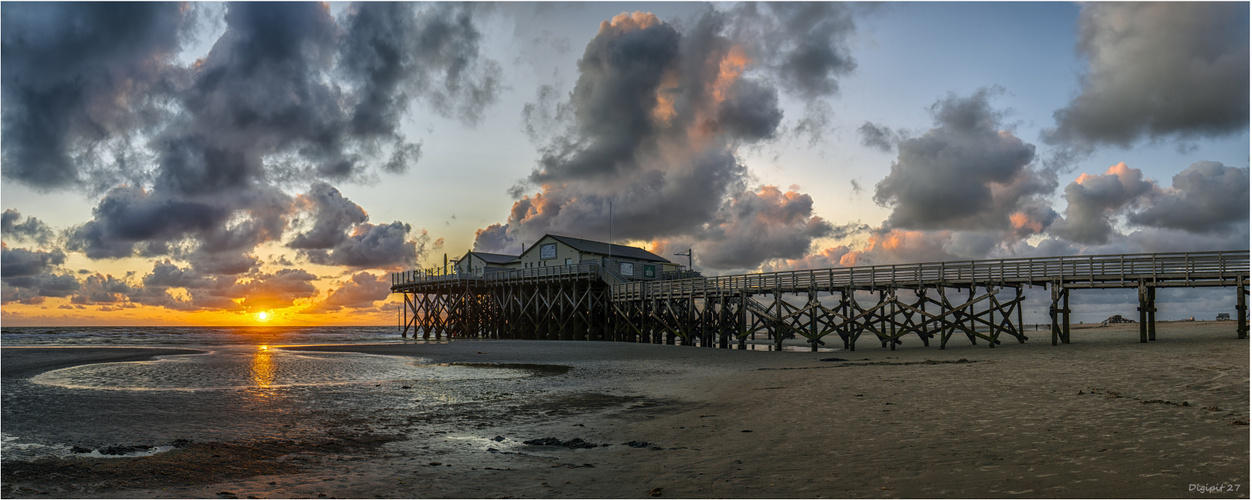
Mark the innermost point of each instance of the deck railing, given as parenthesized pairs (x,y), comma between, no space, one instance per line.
(586,269)
(1094,271)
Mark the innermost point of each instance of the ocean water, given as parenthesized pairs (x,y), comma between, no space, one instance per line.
(125,336)
(239,387)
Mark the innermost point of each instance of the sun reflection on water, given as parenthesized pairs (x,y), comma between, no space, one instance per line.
(263,368)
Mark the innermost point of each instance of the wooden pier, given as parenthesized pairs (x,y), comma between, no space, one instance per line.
(980,300)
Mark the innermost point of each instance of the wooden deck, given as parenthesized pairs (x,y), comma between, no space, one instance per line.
(586,302)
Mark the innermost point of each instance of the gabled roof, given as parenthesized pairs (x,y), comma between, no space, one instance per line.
(493,258)
(599,247)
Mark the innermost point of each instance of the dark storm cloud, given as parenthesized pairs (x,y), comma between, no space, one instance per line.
(223,263)
(619,74)
(286,94)
(376,246)
(804,43)
(21,262)
(1158,70)
(333,217)
(1206,197)
(102,289)
(166,274)
(128,217)
(29,276)
(967,173)
(31,230)
(398,52)
(340,234)
(261,90)
(34,289)
(756,227)
(79,74)
(751,111)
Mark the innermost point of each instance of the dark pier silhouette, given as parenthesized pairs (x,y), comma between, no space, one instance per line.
(980,300)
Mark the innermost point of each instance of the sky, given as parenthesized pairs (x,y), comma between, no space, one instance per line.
(247,164)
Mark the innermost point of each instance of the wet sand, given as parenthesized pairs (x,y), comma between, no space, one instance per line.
(1105,416)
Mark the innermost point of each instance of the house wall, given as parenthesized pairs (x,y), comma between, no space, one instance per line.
(639,270)
(561,254)
(470,264)
(534,256)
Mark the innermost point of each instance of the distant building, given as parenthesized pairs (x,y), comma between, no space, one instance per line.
(1116,319)
(629,263)
(1223,316)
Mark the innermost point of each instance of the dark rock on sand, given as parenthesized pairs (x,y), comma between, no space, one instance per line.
(116,450)
(551,441)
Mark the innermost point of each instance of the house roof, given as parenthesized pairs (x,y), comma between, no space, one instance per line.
(599,247)
(493,258)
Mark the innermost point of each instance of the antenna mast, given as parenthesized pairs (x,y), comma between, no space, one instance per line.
(690,267)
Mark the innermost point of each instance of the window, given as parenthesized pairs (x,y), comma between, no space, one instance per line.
(569,262)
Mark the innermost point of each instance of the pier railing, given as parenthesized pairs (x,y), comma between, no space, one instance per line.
(586,270)
(1091,271)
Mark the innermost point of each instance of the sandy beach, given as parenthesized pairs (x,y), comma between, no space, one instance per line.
(1105,416)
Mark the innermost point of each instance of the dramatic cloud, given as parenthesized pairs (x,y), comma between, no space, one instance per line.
(341,236)
(967,173)
(805,44)
(273,291)
(1207,197)
(131,221)
(78,75)
(31,230)
(396,53)
(768,224)
(1094,200)
(1158,70)
(288,94)
(376,246)
(29,276)
(333,216)
(101,289)
(652,127)
(360,292)
(20,262)
(186,289)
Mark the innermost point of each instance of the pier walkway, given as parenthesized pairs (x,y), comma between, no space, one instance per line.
(979,299)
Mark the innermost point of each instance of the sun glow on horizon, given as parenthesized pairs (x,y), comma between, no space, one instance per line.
(263,316)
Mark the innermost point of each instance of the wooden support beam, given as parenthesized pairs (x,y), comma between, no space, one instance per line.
(1151,314)
(1241,308)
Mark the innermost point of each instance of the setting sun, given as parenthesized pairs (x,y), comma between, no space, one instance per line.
(263,316)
